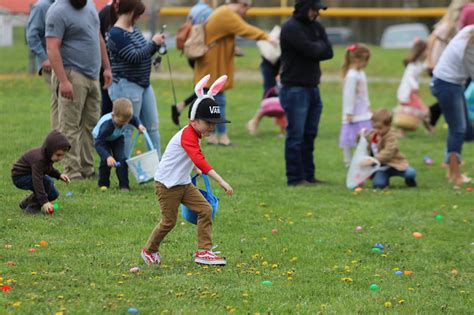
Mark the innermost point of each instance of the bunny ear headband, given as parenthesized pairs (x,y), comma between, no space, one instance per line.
(213,90)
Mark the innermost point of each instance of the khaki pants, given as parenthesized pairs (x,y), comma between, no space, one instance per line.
(54,101)
(169,203)
(77,118)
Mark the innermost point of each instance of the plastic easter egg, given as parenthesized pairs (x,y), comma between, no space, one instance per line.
(69,194)
(359,229)
(43,243)
(398,273)
(376,250)
(469,189)
(103,188)
(378,245)
(134,269)
(138,152)
(132,310)
(387,304)
(408,273)
(5,288)
(374,287)
(118,164)
(274,231)
(438,217)
(266,282)
(417,235)
(31,250)
(427,160)
(358,189)
(55,206)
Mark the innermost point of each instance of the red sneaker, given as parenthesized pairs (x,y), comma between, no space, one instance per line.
(150,258)
(208,257)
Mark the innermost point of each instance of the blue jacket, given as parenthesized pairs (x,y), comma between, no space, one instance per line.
(35,31)
(106,131)
(304,44)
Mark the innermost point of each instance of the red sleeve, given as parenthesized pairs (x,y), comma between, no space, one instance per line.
(190,144)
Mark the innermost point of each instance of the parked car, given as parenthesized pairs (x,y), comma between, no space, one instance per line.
(403,35)
(340,35)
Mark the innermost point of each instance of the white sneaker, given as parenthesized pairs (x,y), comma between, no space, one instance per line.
(150,258)
(208,257)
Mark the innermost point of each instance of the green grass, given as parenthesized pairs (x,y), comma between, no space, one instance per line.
(96,237)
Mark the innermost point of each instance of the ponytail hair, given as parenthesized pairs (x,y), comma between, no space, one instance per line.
(354,51)
(416,52)
(119,7)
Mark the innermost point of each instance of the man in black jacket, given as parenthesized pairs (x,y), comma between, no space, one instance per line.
(304,44)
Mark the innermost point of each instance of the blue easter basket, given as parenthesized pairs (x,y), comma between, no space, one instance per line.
(191,216)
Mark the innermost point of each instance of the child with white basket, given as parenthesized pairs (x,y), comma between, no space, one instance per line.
(355,98)
(411,109)
(109,142)
(173,180)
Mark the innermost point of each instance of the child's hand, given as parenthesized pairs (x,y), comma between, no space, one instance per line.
(349,118)
(366,163)
(47,207)
(228,190)
(111,161)
(197,170)
(64,178)
(141,128)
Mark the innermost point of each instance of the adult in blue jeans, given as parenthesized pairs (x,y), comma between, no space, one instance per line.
(455,66)
(131,59)
(304,44)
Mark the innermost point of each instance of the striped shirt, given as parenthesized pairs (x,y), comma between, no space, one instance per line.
(130,55)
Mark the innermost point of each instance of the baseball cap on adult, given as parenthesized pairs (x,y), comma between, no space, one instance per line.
(318,5)
(210,111)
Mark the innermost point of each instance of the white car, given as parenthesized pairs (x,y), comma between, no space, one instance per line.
(403,35)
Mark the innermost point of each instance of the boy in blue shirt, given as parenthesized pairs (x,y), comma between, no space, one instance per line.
(109,142)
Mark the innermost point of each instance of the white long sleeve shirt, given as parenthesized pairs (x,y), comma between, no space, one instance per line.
(355,97)
(410,81)
(451,66)
(181,154)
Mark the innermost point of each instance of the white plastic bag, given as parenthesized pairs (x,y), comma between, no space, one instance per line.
(357,174)
(269,50)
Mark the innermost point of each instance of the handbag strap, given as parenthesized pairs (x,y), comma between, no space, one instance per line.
(270,91)
(207,183)
(135,140)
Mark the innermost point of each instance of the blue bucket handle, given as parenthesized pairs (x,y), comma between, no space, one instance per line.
(135,140)
(206,183)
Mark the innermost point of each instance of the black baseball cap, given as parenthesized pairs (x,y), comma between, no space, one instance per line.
(209,110)
(318,5)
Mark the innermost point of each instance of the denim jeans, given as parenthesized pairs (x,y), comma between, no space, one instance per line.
(26,183)
(269,73)
(381,179)
(144,107)
(221,101)
(303,107)
(117,149)
(451,100)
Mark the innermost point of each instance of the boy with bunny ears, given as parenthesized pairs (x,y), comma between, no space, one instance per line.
(173,180)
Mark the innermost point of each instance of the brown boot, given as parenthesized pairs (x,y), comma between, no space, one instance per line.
(454,171)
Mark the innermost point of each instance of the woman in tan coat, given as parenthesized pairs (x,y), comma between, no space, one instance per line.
(221,28)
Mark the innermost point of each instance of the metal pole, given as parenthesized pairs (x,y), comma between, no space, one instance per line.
(153,17)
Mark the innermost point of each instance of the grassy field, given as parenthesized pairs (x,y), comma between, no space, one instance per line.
(316,262)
